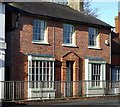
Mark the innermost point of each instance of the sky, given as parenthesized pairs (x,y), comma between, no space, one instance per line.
(107,11)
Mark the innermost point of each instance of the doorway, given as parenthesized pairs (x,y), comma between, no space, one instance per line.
(69,78)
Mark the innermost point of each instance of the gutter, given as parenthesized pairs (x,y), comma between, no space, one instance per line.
(26,12)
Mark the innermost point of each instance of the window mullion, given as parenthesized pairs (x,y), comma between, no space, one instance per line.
(49,75)
(46,81)
(42,71)
(52,74)
(35,74)
(38,74)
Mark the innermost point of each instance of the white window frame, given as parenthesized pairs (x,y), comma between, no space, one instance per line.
(116,76)
(116,73)
(40,32)
(96,74)
(69,32)
(48,84)
(94,37)
(88,72)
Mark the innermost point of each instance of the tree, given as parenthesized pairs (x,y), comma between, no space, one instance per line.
(88,10)
(85,3)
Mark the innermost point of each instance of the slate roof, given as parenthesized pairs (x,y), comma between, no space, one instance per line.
(58,11)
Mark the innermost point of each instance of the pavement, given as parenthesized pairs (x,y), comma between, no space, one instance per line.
(98,102)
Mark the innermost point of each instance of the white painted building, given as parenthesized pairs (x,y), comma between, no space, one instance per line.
(2,48)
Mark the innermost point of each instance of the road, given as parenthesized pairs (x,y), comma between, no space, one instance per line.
(111,102)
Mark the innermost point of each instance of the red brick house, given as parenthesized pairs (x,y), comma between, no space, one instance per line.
(53,42)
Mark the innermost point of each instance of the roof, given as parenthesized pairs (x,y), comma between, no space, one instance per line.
(58,11)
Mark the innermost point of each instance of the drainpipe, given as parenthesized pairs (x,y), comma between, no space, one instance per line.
(53,41)
(111,54)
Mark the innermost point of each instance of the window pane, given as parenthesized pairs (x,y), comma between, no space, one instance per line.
(44,64)
(68,33)
(96,69)
(39,27)
(36,63)
(30,70)
(44,76)
(47,77)
(30,63)
(36,77)
(51,79)
(37,71)
(51,71)
(30,77)
(40,71)
(40,77)
(93,36)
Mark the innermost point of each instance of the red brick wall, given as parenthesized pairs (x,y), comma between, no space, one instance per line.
(116,43)
(22,44)
(117,25)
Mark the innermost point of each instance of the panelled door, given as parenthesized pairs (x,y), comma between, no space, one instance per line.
(69,78)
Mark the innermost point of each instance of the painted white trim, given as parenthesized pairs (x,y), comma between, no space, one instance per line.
(28,81)
(2,49)
(94,47)
(41,43)
(2,22)
(88,73)
(86,69)
(53,75)
(45,41)
(30,57)
(73,36)
(69,45)
(97,46)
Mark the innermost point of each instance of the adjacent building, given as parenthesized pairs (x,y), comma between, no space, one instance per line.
(2,49)
(116,47)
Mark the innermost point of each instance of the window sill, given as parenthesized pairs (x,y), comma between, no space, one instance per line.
(41,43)
(69,45)
(96,88)
(92,47)
(41,89)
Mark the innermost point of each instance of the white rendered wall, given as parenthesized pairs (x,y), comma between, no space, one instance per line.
(2,49)
(2,22)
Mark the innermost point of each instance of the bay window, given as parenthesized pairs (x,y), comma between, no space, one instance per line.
(41,72)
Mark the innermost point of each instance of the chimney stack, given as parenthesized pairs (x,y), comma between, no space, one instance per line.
(76,4)
(117,21)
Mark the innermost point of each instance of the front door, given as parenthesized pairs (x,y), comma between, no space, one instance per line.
(69,78)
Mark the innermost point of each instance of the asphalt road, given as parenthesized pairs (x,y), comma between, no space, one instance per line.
(111,102)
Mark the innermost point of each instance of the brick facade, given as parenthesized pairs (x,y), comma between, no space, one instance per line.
(21,44)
